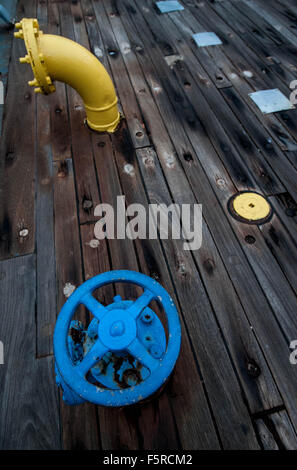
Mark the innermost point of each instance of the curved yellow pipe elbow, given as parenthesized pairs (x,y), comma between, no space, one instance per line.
(58,58)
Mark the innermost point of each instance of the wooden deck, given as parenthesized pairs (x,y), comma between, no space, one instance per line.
(191,134)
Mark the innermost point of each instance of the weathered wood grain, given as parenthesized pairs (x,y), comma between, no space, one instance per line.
(276,432)
(198,138)
(233,46)
(29,417)
(45,247)
(127,94)
(79,423)
(286,209)
(17,154)
(188,404)
(221,304)
(127,428)
(6,36)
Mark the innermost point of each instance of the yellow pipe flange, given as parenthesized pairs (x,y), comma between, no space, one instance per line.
(250,207)
(30,32)
(56,58)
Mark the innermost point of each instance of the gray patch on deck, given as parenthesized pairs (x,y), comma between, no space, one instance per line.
(206,39)
(169,5)
(271,101)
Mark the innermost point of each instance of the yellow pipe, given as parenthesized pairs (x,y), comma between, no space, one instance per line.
(58,58)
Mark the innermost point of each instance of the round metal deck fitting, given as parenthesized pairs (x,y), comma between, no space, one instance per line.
(124,355)
(28,29)
(250,207)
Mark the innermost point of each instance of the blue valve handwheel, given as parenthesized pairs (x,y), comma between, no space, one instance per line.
(118,332)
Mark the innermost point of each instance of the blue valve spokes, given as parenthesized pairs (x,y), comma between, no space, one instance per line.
(92,357)
(97,309)
(139,304)
(137,350)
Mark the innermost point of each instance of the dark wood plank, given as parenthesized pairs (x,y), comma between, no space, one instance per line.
(247,69)
(60,127)
(286,209)
(17,154)
(233,47)
(221,304)
(283,247)
(185,393)
(86,184)
(29,407)
(125,91)
(274,157)
(199,317)
(277,21)
(233,259)
(157,127)
(45,246)
(79,423)
(6,36)
(276,432)
(258,34)
(234,146)
(129,424)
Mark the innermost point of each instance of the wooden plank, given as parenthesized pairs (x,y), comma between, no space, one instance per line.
(113,423)
(199,317)
(221,303)
(86,184)
(45,246)
(60,127)
(241,73)
(258,34)
(29,408)
(286,209)
(276,432)
(185,390)
(157,128)
(283,247)
(6,36)
(133,430)
(277,159)
(274,19)
(234,146)
(17,154)
(233,47)
(239,271)
(79,423)
(290,8)
(249,69)
(125,90)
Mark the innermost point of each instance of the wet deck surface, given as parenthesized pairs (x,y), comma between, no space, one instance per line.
(191,134)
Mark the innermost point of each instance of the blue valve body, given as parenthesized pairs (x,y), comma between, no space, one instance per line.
(122,357)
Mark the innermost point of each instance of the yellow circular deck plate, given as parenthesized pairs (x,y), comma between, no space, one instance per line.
(251,206)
